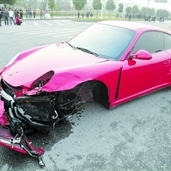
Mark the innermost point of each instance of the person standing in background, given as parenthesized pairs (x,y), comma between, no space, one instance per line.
(30,13)
(11,16)
(6,16)
(130,15)
(34,13)
(21,14)
(1,15)
(15,13)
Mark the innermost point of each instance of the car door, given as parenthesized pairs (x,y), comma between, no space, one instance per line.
(141,76)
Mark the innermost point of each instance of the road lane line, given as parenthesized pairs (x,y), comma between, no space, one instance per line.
(47,23)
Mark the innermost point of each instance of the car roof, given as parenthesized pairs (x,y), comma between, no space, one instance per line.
(135,26)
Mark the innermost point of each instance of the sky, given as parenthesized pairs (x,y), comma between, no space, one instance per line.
(161,5)
(152,4)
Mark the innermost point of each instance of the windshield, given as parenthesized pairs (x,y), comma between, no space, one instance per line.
(107,41)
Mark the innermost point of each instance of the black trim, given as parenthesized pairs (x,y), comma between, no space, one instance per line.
(118,85)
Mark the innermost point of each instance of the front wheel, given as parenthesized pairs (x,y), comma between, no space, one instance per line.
(68,102)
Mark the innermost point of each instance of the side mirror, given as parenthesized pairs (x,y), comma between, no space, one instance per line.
(141,54)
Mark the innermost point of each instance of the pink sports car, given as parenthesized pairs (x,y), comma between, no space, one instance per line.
(110,63)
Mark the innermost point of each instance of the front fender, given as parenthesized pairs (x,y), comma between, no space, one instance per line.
(63,81)
(102,72)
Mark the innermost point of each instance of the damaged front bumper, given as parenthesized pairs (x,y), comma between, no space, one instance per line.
(13,137)
(21,112)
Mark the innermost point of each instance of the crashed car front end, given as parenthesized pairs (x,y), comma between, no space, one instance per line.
(26,108)
(15,123)
(22,114)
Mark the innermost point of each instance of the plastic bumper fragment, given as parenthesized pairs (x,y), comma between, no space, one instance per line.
(7,140)
(18,142)
(3,120)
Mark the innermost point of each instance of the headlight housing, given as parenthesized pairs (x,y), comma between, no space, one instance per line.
(41,81)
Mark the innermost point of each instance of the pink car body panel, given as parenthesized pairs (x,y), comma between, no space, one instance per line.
(3,119)
(101,70)
(44,62)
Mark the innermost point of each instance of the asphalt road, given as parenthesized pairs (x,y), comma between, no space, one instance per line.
(135,136)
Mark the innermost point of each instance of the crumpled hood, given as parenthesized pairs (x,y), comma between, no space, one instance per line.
(52,57)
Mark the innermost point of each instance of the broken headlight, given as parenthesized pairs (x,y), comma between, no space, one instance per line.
(41,81)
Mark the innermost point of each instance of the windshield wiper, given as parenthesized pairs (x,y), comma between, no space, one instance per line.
(87,51)
(82,49)
(71,45)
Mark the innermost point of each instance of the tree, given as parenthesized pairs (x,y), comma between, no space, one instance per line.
(20,3)
(128,10)
(110,6)
(120,9)
(79,4)
(162,13)
(152,11)
(147,11)
(135,9)
(51,4)
(42,6)
(10,2)
(144,10)
(97,5)
(63,4)
(31,4)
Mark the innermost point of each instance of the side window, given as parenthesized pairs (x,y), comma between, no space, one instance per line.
(167,42)
(151,41)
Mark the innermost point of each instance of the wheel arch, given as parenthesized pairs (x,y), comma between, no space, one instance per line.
(94,90)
